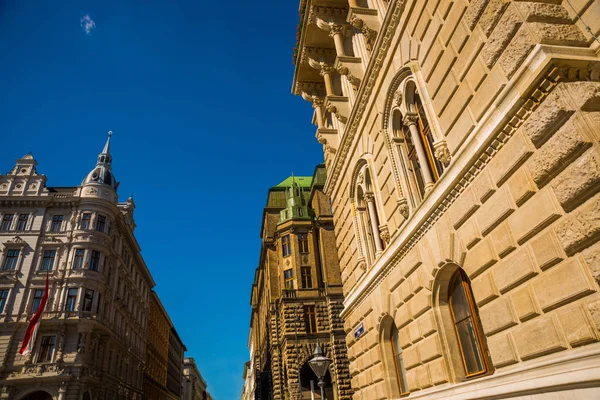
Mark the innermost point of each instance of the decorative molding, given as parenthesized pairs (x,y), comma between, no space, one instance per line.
(442,153)
(537,95)
(376,62)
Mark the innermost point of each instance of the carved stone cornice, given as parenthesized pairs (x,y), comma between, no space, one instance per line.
(318,54)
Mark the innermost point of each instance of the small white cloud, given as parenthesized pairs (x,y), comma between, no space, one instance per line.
(87,24)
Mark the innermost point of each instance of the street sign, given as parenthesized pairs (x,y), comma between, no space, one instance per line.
(359,330)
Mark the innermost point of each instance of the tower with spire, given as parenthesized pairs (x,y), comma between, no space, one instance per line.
(101,177)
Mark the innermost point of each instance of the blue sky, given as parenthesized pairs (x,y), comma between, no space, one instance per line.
(198,97)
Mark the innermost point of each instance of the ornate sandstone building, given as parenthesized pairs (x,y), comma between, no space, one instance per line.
(461,145)
(92,338)
(297,296)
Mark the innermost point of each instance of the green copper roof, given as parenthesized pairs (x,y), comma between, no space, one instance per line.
(301,181)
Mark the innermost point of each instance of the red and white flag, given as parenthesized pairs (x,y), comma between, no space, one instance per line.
(34,324)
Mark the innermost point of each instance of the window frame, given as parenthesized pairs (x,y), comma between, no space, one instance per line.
(306,278)
(95,262)
(101,222)
(78,262)
(37,300)
(286,246)
(399,369)
(310,319)
(288,279)
(87,301)
(474,316)
(47,263)
(303,243)
(70,297)
(4,293)
(86,220)
(6,223)
(22,222)
(43,356)
(56,223)
(11,259)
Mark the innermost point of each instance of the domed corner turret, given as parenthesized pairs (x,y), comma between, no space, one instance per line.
(101,182)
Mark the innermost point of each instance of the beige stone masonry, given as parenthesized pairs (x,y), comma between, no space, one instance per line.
(576,325)
(514,153)
(463,208)
(579,181)
(591,255)
(564,283)
(502,350)
(536,214)
(580,228)
(483,186)
(469,233)
(521,185)
(515,269)
(499,39)
(484,289)
(524,303)
(547,249)
(539,336)
(497,316)
(430,348)
(493,212)
(560,150)
(480,258)
(503,240)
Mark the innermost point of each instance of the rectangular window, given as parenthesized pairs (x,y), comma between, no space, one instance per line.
(56,225)
(48,260)
(310,319)
(78,259)
(22,222)
(10,262)
(306,278)
(100,223)
(71,299)
(286,247)
(6,222)
(86,219)
(303,242)
(95,260)
(37,299)
(288,277)
(88,298)
(99,306)
(47,348)
(3,298)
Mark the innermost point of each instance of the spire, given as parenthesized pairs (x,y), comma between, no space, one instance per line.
(105,157)
(102,172)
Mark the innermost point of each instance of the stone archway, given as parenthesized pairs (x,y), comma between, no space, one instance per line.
(39,395)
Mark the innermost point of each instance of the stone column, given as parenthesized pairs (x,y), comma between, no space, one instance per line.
(336,33)
(374,222)
(317,104)
(62,391)
(410,120)
(326,72)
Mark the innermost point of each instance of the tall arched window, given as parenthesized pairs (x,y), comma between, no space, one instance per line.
(398,363)
(467,325)
(427,137)
(367,217)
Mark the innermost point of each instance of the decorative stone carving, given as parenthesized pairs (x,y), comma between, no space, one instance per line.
(403,207)
(91,190)
(442,153)
(333,109)
(398,98)
(16,240)
(317,102)
(384,233)
(336,29)
(410,119)
(362,264)
(368,197)
(326,69)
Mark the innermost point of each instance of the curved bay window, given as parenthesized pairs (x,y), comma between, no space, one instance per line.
(467,326)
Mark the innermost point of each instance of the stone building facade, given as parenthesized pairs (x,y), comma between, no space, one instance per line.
(296,296)
(91,341)
(157,352)
(175,364)
(194,386)
(463,165)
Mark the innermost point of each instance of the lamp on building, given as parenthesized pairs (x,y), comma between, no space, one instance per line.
(319,364)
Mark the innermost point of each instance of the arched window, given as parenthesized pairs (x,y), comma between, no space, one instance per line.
(427,138)
(367,218)
(466,325)
(398,363)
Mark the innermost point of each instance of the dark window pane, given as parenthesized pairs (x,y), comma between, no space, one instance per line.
(48,260)
(470,347)
(6,222)
(56,224)
(459,302)
(37,299)
(11,259)
(47,348)
(3,298)
(78,259)
(22,224)
(85,221)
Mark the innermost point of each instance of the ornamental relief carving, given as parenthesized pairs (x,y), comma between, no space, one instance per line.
(442,153)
